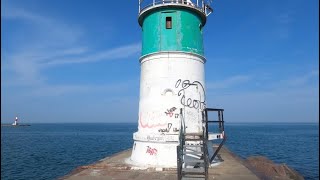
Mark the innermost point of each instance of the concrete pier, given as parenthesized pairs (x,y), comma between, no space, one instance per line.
(116,168)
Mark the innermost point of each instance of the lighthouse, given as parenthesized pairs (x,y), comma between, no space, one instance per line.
(172,79)
(15,122)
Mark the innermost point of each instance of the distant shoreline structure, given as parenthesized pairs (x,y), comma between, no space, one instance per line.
(15,123)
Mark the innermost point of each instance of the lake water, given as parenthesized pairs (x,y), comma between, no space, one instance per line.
(49,151)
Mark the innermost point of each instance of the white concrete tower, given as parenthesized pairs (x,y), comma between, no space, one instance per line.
(172,77)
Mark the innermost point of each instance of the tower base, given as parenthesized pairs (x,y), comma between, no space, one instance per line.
(154,150)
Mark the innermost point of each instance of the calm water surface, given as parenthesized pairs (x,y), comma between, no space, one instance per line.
(49,151)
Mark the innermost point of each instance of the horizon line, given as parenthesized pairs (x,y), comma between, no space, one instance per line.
(314,122)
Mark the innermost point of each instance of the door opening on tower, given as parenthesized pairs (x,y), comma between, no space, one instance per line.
(168,22)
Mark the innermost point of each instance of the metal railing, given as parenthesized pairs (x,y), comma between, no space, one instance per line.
(205,153)
(202,5)
(205,137)
(181,144)
(220,121)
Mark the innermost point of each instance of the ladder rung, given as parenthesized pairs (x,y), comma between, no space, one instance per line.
(193,134)
(193,145)
(193,170)
(193,139)
(193,161)
(192,152)
(192,178)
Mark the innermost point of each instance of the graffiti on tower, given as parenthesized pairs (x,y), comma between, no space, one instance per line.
(187,92)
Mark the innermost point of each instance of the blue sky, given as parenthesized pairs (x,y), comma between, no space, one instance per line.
(77,60)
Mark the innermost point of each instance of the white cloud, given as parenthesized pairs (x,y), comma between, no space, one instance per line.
(299,104)
(48,31)
(27,68)
(57,43)
(303,79)
(229,82)
(293,99)
(110,54)
(50,90)
(297,81)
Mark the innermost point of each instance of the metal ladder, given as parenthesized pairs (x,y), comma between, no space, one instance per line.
(192,152)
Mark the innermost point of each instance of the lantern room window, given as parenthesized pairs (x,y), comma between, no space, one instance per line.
(168,23)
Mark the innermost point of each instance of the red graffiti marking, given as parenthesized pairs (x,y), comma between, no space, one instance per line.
(152,151)
(170,111)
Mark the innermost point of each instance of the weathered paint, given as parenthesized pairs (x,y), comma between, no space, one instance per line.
(185,35)
(168,82)
(172,77)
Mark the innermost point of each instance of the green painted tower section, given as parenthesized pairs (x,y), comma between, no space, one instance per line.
(175,28)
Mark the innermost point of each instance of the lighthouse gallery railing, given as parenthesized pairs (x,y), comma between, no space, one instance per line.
(202,5)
